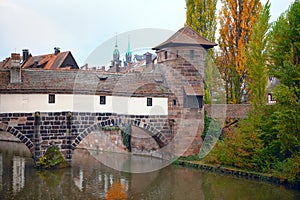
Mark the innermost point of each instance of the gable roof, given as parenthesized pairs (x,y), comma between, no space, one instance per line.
(51,61)
(7,63)
(186,36)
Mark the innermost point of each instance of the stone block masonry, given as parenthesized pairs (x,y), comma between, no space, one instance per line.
(38,131)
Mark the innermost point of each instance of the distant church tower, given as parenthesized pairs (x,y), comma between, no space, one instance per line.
(128,54)
(116,62)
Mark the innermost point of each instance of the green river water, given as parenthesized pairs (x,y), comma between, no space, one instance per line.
(88,178)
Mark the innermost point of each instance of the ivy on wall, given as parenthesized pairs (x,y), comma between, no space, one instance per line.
(126,137)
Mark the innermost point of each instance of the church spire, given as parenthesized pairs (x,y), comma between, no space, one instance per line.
(116,53)
(128,54)
(116,45)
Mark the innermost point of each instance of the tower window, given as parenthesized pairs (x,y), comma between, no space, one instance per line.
(193,101)
(177,54)
(51,98)
(192,54)
(102,100)
(149,101)
(174,102)
(166,55)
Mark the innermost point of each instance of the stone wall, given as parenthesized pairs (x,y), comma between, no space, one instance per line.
(67,129)
(228,110)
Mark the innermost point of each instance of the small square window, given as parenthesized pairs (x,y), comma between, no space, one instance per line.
(102,100)
(51,98)
(149,101)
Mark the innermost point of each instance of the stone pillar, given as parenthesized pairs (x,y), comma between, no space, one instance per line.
(37,137)
(68,142)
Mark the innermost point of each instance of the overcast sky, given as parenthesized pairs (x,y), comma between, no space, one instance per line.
(82,25)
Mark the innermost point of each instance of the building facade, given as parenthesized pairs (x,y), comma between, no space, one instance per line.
(166,101)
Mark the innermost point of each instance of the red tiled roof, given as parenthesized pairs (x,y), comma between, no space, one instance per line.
(186,36)
(48,61)
(5,63)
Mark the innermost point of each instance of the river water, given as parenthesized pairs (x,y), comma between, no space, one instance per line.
(90,179)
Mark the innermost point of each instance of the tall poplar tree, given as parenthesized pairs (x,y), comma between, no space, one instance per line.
(201,16)
(257,55)
(237,18)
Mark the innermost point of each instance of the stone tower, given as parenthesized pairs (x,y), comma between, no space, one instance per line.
(181,60)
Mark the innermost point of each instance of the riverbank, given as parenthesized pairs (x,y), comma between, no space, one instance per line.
(231,171)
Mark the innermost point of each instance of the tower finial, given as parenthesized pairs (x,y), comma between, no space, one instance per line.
(116,39)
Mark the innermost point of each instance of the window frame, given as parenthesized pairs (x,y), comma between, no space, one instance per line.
(149,101)
(51,98)
(102,100)
(192,54)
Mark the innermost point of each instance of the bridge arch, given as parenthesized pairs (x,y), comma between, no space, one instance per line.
(149,128)
(18,134)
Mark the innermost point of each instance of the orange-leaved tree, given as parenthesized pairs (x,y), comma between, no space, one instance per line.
(237,17)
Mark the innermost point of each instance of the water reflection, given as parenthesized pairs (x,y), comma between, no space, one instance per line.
(90,179)
(1,171)
(18,179)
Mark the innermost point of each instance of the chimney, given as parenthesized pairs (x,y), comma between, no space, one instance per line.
(56,50)
(15,70)
(25,55)
(148,58)
(15,56)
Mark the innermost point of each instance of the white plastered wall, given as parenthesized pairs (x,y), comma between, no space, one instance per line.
(23,103)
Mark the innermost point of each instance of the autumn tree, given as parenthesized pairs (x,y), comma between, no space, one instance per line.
(256,58)
(268,140)
(237,18)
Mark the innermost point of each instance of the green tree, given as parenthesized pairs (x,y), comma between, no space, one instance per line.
(256,56)
(285,48)
(269,139)
(201,16)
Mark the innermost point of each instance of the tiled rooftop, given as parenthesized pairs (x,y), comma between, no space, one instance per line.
(186,36)
(83,82)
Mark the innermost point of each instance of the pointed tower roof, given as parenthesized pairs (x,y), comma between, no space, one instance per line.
(186,36)
(128,52)
(116,52)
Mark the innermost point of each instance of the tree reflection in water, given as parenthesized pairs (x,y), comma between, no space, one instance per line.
(90,179)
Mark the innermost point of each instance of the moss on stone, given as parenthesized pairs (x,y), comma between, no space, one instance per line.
(52,159)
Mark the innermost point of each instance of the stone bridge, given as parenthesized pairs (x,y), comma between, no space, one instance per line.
(39,130)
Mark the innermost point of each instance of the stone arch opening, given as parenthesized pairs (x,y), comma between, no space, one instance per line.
(18,134)
(150,129)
